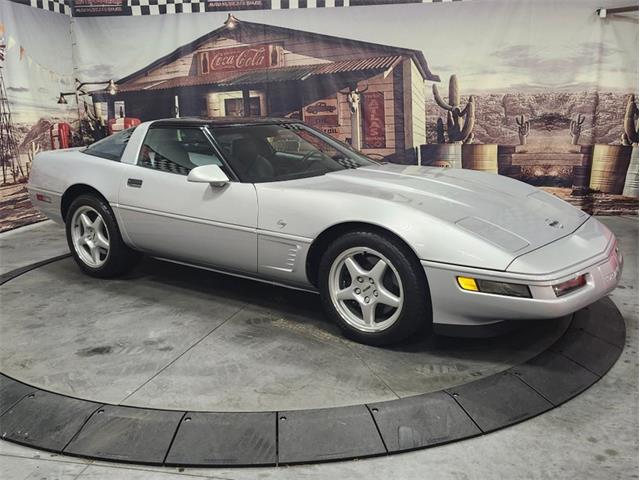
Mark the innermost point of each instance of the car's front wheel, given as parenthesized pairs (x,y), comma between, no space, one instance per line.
(373,288)
(94,238)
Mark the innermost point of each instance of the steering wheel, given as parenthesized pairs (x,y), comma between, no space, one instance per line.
(308,157)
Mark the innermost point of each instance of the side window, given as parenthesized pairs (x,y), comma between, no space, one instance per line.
(110,147)
(177,150)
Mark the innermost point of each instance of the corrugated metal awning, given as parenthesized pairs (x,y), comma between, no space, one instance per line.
(269,75)
(373,63)
(307,71)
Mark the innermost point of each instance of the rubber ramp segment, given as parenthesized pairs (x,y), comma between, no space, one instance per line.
(46,420)
(225,439)
(422,421)
(603,320)
(11,392)
(499,400)
(587,350)
(127,434)
(327,434)
(554,376)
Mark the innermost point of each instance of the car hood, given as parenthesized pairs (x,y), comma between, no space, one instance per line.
(510,214)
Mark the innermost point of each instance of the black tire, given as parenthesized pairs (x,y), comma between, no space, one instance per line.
(416,312)
(120,258)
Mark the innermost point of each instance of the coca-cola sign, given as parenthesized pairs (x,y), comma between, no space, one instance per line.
(239,58)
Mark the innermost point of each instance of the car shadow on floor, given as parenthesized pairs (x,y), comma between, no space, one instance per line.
(306,306)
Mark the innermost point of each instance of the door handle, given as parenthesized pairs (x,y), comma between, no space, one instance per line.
(134,182)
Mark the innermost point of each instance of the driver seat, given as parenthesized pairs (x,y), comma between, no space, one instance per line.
(252,166)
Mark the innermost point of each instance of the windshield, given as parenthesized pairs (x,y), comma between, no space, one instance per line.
(268,153)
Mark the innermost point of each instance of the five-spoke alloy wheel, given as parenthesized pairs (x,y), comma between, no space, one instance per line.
(366,289)
(373,287)
(94,238)
(90,236)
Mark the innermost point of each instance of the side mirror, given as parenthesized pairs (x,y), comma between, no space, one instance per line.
(211,174)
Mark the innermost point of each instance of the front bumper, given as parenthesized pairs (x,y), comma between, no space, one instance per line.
(454,306)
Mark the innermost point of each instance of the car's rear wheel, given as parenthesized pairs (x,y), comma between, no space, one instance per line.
(373,288)
(94,238)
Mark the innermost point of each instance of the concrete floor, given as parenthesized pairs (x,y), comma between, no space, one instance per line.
(593,436)
(174,337)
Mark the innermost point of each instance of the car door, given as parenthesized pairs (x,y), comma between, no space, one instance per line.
(166,215)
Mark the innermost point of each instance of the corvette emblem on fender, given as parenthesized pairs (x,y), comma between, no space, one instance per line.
(554,223)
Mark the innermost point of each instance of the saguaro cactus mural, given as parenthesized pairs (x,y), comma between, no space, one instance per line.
(34,149)
(440,131)
(630,135)
(523,129)
(575,128)
(460,121)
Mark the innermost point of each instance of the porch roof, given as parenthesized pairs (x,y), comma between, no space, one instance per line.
(268,75)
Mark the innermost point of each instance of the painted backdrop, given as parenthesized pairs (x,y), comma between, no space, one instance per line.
(542,91)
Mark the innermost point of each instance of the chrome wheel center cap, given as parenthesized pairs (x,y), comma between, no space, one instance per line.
(366,290)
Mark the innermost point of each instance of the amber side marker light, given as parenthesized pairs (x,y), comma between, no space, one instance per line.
(497,288)
(570,285)
(467,283)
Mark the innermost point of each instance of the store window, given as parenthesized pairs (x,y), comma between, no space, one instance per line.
(118,108)
(234,107)
(177,150)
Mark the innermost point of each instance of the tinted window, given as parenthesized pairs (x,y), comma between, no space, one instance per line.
(266,153)
(112,146)
(177,150)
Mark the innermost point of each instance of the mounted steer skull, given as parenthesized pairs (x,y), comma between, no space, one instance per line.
(353,97)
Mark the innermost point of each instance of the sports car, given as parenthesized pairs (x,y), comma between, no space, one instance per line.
(392,249)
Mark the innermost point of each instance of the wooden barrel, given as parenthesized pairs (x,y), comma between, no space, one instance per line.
(581,176)
(631,181)
(505,159)
(442,155)
(513,171)
(480,157)
(609,168)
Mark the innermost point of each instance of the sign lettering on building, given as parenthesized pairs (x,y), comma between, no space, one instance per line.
(322,114)
(373,120)
(238,58)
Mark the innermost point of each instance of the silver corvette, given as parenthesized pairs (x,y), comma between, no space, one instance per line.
(390,248)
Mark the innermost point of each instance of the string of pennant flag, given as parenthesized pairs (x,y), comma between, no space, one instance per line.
(10,46)
(96,8)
